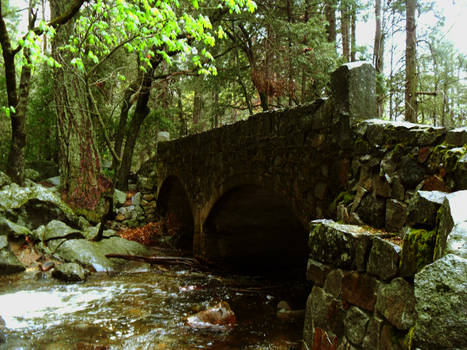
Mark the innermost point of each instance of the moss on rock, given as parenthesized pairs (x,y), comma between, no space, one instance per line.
(417,251)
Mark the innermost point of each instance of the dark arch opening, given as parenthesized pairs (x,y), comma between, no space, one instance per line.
(251,229)
(174,206)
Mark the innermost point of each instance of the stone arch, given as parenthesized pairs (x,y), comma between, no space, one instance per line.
(253,228)
(173,202)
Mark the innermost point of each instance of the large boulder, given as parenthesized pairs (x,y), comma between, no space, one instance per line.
(35,205)
(55,230)
(9,263)
(10,228)
(93,254)
(441,304)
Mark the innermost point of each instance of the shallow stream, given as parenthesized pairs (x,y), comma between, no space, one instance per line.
(146,310)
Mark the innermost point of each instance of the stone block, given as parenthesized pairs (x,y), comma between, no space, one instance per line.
(396,302)
(411,172)
(452,212)
(423,207)
(391,339)
(372,210)
(417,251)
(373,334)
(327,312)
(441,304)
(355,323)
(317,272)
(457,137)
(360,289)
(396,214)
(333,283)
(384,259)
(460,173)
(336,244)
(354,90)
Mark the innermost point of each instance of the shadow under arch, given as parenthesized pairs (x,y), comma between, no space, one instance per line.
(253,229)
(174,205)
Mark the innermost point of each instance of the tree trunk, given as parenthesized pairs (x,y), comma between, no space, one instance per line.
(345,30)
(378,51)
(353,32)
(79,161)
(183,130)
(330,13)
(197,107)
(17,101)
(410,65)
(122,121)
(141,112)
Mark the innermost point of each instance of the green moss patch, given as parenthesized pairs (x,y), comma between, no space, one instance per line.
(417,251)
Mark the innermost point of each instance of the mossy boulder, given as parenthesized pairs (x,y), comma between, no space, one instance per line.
(10,228)
(92,254)
(35,205)
(417,251)
(9,263)
(69,272)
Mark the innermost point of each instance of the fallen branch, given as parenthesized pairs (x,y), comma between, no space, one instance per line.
(161,260)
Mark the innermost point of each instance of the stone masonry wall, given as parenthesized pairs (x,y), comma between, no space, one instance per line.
(392,273)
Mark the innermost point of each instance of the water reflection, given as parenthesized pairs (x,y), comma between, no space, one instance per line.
(142,311)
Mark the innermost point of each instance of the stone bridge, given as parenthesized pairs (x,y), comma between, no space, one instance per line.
(245,193)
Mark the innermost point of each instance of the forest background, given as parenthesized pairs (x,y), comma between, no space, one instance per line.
(89,84)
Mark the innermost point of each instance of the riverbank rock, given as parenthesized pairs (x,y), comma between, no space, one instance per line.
(220,315)
(441,305)
(4,179)
(35,205)
(12,229)
(9,263)
(92,254)
(69,272)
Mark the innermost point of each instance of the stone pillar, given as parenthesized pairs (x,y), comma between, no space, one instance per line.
(353,88)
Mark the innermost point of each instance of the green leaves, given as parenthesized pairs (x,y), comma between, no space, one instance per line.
(8,110)
(145,26)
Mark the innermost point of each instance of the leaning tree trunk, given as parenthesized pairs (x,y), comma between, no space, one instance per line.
(79,161)
(410,65)
(141,112)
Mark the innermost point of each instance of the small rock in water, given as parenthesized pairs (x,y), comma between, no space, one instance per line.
(69,272)
(46,266)
(285,312)
(219,315)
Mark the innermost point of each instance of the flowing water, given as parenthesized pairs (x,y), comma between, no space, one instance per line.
(145,310)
